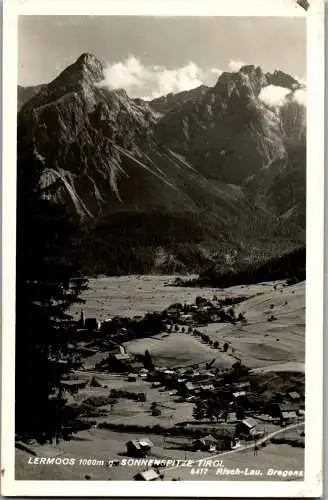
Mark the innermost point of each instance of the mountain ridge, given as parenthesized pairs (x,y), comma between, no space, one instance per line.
(215,158)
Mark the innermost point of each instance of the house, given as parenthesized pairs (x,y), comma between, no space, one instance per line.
(206,443)
(190,398)
(187,319)
(277,409)
(294,396)
(239,394)
(208,387)
(173,308)
(122,332)
(106,326)
(246,427)
(60,361)
(174,311)
(115,348)
(286,416)
(137,365)
(189,387)
(147,475)
(92,324)
(241,386)
(72,386)
(137,318)
(95,382)
(138,448)
(121,357)
(201,301)
(231,417)
(199,377)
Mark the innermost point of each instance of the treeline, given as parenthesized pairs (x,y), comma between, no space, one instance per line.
(141,243)
(178,430)
(291,266)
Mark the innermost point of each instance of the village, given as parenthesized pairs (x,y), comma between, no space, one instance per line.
(178,410)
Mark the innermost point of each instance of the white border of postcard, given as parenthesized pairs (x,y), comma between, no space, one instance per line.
(312,484)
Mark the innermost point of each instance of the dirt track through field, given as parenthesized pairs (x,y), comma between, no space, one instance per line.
(248,446)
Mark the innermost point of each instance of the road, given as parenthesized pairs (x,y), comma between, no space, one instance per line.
(246,447)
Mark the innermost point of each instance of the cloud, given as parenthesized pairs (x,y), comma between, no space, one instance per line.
(153,81)
(277,96)
(300,96)
(273,95)
(235,65)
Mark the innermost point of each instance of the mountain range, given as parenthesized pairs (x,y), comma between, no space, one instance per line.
(213,174)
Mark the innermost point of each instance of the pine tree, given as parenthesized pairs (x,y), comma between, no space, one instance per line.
(210,412)
(46,286)
(240,413)
(225,346)
(148,363)
(199,410)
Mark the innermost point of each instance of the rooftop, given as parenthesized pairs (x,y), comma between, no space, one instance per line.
(249,422)
(208,387)
(288,414)
(294,395)
(148,475)
(239,394)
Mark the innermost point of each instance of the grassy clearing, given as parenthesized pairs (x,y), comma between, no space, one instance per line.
(175,349)
(261,342)
(137,295)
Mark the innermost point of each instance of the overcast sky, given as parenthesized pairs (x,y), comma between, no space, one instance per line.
(150,56)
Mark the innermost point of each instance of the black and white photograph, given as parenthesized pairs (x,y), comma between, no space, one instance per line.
(161,262)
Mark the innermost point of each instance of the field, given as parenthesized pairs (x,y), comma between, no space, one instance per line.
(177,349)
(259,344)
(281,456)
(262,343)
(137,295)
(130,412)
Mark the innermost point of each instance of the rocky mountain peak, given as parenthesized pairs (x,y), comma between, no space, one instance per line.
(281,79)
(251,79)
(91,66)
(246,83)
(86,69)
(82,77)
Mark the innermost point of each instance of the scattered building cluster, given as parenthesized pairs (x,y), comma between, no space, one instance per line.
(202,312)
(219,396)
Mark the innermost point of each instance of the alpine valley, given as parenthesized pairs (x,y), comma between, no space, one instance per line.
(210,175)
